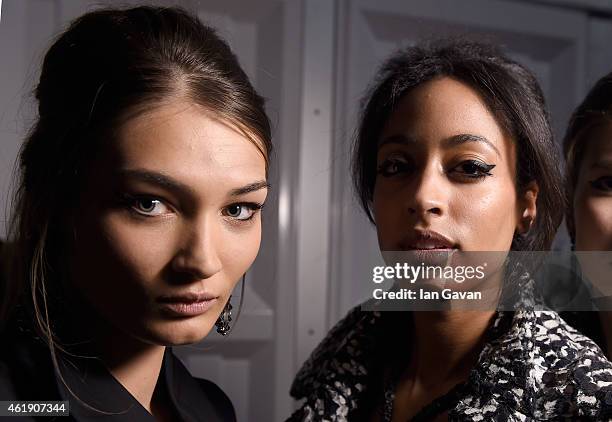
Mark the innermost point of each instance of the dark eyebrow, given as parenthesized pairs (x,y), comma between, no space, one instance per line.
(167,182)
(396,139)
(155,178)
(452,141)
(468,137)
(251,187)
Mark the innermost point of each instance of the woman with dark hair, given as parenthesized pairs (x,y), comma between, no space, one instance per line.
(588,154)
(135,215)
(454,154)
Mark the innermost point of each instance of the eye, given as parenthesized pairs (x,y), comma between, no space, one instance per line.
(474,169)
(242,211)
(603,184)
(149,206)
(394,165)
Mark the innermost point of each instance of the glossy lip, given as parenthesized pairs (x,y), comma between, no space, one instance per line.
(187,304)
(428,240)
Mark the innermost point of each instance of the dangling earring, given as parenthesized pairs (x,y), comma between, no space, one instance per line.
(223,322)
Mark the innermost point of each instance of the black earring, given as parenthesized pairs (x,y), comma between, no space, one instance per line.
(223,322)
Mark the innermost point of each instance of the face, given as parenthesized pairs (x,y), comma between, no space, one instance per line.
(168,223)
(446,175)
(593,194)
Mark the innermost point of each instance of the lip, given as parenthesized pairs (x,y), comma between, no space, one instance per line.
(428,240)
(187,304)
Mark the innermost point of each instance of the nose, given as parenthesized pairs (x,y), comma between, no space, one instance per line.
(429,194)
(198,254)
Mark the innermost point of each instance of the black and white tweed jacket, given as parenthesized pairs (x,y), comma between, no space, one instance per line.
(534,366)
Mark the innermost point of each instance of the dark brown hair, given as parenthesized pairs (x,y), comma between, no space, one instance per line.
(510,91)
(591,113)
(109,66)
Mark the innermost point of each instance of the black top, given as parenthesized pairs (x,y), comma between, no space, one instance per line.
(27,373)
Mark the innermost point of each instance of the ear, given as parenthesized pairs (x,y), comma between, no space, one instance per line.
(527,207)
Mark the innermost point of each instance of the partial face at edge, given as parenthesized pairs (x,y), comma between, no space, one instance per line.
(445,165)
(593,194)
(172,209)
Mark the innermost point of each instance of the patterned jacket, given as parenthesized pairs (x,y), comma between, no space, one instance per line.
(534,366)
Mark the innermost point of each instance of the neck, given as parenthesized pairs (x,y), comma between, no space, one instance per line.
(447,344)
(136,366)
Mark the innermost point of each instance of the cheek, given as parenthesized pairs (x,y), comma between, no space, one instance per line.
(138,246)
(238,248)
(113,255)
(390,218)
(140,250)
(485,216)
(593,220)
(484,208)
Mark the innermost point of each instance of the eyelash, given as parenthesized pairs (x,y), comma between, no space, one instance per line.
(600,184)
(482,169)
(253,206)
(130,202)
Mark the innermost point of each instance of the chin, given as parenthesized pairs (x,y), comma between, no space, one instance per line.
(179,332)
